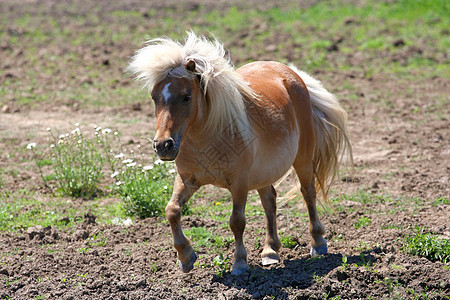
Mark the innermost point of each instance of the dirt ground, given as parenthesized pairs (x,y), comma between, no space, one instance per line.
(401,149)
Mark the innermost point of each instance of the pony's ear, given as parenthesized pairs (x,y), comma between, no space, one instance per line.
(190,65)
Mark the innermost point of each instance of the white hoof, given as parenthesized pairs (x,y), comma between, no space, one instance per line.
(270,260)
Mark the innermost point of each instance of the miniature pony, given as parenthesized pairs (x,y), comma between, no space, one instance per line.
(241,130)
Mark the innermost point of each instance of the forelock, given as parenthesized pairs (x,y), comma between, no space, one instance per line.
(180,72)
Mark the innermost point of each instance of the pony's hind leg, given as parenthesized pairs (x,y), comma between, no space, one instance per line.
(306,177)
(182,191)
(272,244)
(318,243)
(237,224)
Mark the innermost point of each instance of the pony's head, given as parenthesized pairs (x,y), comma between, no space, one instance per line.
(176,98)
(193,83)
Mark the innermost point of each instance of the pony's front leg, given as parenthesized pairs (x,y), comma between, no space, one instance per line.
(182,191)
(237,224)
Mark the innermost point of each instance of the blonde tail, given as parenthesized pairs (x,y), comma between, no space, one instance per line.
(330,124)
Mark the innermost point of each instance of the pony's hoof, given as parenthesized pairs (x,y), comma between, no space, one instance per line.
(239,271)
(270,259)
(189,265)
(239,268)
(320,250)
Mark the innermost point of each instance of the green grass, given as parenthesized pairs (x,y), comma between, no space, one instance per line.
(362,222)
(288,241)
(77,160)
(391,205)
(363,197)
(427,245)
(309,32)
(146,191)
(23,209)
(218,207)
(202,237)
(221,264)
(75,165)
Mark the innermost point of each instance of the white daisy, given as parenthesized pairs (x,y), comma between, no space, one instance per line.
(127,222)
(119,155)
(31,146)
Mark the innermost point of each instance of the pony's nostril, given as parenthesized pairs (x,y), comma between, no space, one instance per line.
(168,145)
(163,147)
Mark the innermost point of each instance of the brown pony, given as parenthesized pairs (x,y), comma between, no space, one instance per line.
(241,130)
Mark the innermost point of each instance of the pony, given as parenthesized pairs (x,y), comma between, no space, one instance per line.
(241,130)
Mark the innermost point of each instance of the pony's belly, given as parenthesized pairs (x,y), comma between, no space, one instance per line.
(271,163)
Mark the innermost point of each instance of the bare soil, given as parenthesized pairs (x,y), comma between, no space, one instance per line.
(401,144)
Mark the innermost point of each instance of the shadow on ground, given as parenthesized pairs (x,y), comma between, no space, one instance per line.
(296,274)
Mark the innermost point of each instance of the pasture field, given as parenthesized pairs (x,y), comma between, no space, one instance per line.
(62,67)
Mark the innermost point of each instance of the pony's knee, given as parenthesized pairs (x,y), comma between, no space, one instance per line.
(173,212)
(237,221)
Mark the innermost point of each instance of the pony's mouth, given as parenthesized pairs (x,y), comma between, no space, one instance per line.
(168,157)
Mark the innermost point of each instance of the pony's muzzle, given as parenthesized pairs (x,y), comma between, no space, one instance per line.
(165,149)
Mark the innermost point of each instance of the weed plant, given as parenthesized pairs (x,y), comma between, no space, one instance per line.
(77,160)
(362,222)
(288,241)
(221,264)
(145,190)
(202,237)
(427,245)
(77,163)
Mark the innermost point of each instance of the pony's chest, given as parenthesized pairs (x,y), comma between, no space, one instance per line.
(215,163)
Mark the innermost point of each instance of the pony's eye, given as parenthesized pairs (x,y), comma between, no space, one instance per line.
(187,98)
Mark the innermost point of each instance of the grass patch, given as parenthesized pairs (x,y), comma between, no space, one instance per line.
(392,205)
(146,190)
(23,209)
(221,264)
(362,222)
(363,197)
(427,245)
(219,208)
(202,237)
(288,241)
(309,32)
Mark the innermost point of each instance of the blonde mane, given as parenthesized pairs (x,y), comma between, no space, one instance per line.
(223,87)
